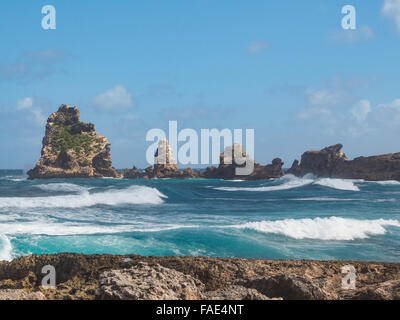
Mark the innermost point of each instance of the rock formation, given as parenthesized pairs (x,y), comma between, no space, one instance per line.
(145,282)
(331,162)
(73,149)
(106,276)
(233,158)
(165,166)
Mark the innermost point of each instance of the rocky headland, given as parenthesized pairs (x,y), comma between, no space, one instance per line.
(331,162)
(135,277)
(73,149)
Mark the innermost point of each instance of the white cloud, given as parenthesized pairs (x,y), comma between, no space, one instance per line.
(391,10)
(257,47)
(320,103)
(361,110)
(25,103)
(115,98)
(395,105)
(36,114)
(363,33)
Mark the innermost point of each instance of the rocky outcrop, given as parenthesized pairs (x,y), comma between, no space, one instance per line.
(234,163)
(73,149)
(288,287)
(130,276)
(19,294)
(165,166)
(331,162)
(145,282)
(235,292)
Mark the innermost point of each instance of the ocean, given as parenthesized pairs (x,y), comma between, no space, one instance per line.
(287,218)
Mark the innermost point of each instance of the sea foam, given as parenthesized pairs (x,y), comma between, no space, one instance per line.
(289,181)
(131,195)
(332,228)
(5,248)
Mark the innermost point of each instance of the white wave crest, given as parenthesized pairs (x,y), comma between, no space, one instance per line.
(70,228)
(289,181)
(5,248)
(333,228)
(66,187)
(339,184)
(131,195)
(387,183)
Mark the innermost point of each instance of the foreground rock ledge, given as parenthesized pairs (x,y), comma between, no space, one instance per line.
(135,277)
(73,149)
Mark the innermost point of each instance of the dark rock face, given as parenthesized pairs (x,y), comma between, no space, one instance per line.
(288,287)
(73,149)
(237,158)
(332,163)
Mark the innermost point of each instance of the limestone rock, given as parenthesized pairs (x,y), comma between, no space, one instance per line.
(330,162)
(73,149)
(235,292)
(19,294)
(286,286)
(165,166)
(235,158)
(145,282)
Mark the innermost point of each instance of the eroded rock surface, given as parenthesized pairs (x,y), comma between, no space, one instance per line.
(331,162)
(145,282)
(73,149)
(78,277)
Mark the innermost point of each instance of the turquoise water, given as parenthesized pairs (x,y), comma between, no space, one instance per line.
(306,218)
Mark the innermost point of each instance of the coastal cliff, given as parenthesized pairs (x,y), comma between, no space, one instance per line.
(72,149)
(134,277)
(331,162)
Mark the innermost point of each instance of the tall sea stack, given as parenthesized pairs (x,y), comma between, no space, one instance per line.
(73,149)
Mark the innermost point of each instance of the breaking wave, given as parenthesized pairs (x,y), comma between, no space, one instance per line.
(68,228)
(131,195)
(333,228)
(5,248)
(66,187)
(339,184)
(290,182)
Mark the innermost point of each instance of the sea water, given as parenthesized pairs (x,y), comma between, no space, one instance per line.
(287,218)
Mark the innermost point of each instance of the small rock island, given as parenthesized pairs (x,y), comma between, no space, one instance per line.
(73,149)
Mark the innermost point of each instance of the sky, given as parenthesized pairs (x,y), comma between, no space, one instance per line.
(286,69)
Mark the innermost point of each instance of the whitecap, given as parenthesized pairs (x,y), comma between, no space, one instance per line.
(131,195)
(338,184)
(65,187)
(333,228)
(289,182)
(5,248)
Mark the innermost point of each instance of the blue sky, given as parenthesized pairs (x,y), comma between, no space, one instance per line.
(285,68)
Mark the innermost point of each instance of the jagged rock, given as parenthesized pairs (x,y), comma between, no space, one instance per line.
(144,282)
(286,286)
(235,292)
(72,149)
(78,275)
(330,162)
(233,158)
(388,290)
(19,294)
(165,166)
